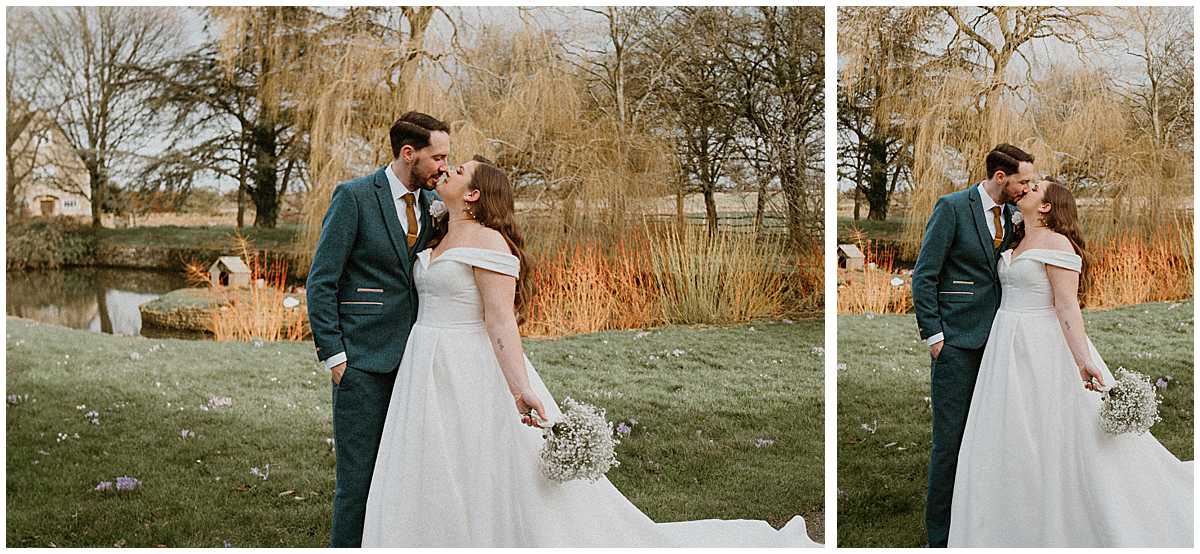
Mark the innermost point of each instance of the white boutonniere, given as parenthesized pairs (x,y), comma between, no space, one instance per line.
(437,209)
(1016,218)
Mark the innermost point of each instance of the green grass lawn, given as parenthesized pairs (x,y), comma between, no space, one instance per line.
(887,230)
(884,416)
(216,237)
(707,401)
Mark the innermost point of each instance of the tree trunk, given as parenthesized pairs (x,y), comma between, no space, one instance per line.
(96,181)
(710,210)
(877,180)
(793,191)
(857,202)
(680,219)
(760,208)
(266,177)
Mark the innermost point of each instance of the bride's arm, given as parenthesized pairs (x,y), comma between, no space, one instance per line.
(1064,284)
(499,293)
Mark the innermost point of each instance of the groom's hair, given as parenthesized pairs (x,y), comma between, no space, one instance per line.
(413,129)
(1007,158)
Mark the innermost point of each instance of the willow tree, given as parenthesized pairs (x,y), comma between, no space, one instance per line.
(890,68)
(970,102)
(343,74)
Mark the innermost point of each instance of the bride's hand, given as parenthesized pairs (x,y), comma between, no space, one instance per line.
(1093,379)
(528,402)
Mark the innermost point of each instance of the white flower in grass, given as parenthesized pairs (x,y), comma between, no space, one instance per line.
(896,281)
(290,302)
(263,473)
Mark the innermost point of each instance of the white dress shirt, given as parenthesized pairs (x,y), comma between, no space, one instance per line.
(399,191)
(987,204)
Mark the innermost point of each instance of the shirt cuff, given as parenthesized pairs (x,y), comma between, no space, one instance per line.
(334,360)
(935,339)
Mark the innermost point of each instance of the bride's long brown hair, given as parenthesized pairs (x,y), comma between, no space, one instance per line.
(495,210)
(1063,218)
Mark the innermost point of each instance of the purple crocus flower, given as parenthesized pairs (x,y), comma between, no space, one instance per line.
(126,483)
(104,486)
(623,429)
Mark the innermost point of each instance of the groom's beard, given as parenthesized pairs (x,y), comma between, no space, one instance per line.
(422,183)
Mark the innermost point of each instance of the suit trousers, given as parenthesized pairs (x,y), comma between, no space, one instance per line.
(360,405)
(952,383)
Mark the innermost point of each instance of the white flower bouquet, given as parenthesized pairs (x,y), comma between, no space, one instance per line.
(579,444)
(1129,405)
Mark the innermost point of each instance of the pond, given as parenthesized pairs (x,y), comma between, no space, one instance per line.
(102,300)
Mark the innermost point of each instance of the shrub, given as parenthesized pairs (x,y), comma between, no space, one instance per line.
(49,243)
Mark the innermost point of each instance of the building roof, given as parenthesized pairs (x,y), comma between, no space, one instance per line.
(232,263)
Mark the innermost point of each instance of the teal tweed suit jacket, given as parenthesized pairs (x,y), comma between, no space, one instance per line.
(955,286)
(360,291)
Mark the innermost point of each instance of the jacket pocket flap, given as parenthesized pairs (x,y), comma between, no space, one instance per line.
(359,307)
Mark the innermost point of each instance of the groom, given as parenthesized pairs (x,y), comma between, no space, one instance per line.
(362,302)
(956,292)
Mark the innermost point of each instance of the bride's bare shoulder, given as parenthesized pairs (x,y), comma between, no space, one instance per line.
(486,238)
(1057,241)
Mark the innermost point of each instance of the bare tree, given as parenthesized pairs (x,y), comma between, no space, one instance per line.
(699,101)
(777,62)
(28,124)
(992,36)
(1161,38)
(890,68)
(88,57)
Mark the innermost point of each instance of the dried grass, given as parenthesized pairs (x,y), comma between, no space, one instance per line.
(593,286)
(1134,270)
(872,290)
(257,312)
(727,278)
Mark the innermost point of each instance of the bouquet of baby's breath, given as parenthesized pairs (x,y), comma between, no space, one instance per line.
(579,444)
(1129,405)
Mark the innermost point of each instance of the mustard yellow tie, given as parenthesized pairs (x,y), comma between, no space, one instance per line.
(999,227)
(409,200)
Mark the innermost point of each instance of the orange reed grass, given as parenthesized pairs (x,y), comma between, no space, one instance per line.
(1132,270)
(259,311)
(593,287)
(873,289)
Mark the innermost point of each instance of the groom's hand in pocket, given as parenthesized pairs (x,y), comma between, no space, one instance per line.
(936,349)
(337,372)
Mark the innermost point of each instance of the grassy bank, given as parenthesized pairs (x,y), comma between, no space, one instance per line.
(884,416)
(702,446)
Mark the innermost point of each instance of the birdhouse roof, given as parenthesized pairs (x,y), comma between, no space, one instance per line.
(850,251)
(233,264)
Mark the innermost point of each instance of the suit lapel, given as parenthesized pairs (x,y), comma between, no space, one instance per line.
(387,207)
(986,242)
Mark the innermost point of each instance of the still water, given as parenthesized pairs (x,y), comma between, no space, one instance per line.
(102,300)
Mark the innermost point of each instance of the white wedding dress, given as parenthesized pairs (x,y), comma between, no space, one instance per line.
(457,468)
(1035,469)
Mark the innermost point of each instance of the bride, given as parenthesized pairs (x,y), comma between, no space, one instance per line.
(1035,468)
(458,460)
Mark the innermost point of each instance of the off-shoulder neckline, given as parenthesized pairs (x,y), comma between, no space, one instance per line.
(430,260)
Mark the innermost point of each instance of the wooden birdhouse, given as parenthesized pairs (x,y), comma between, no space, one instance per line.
(229,271)
(850,257)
